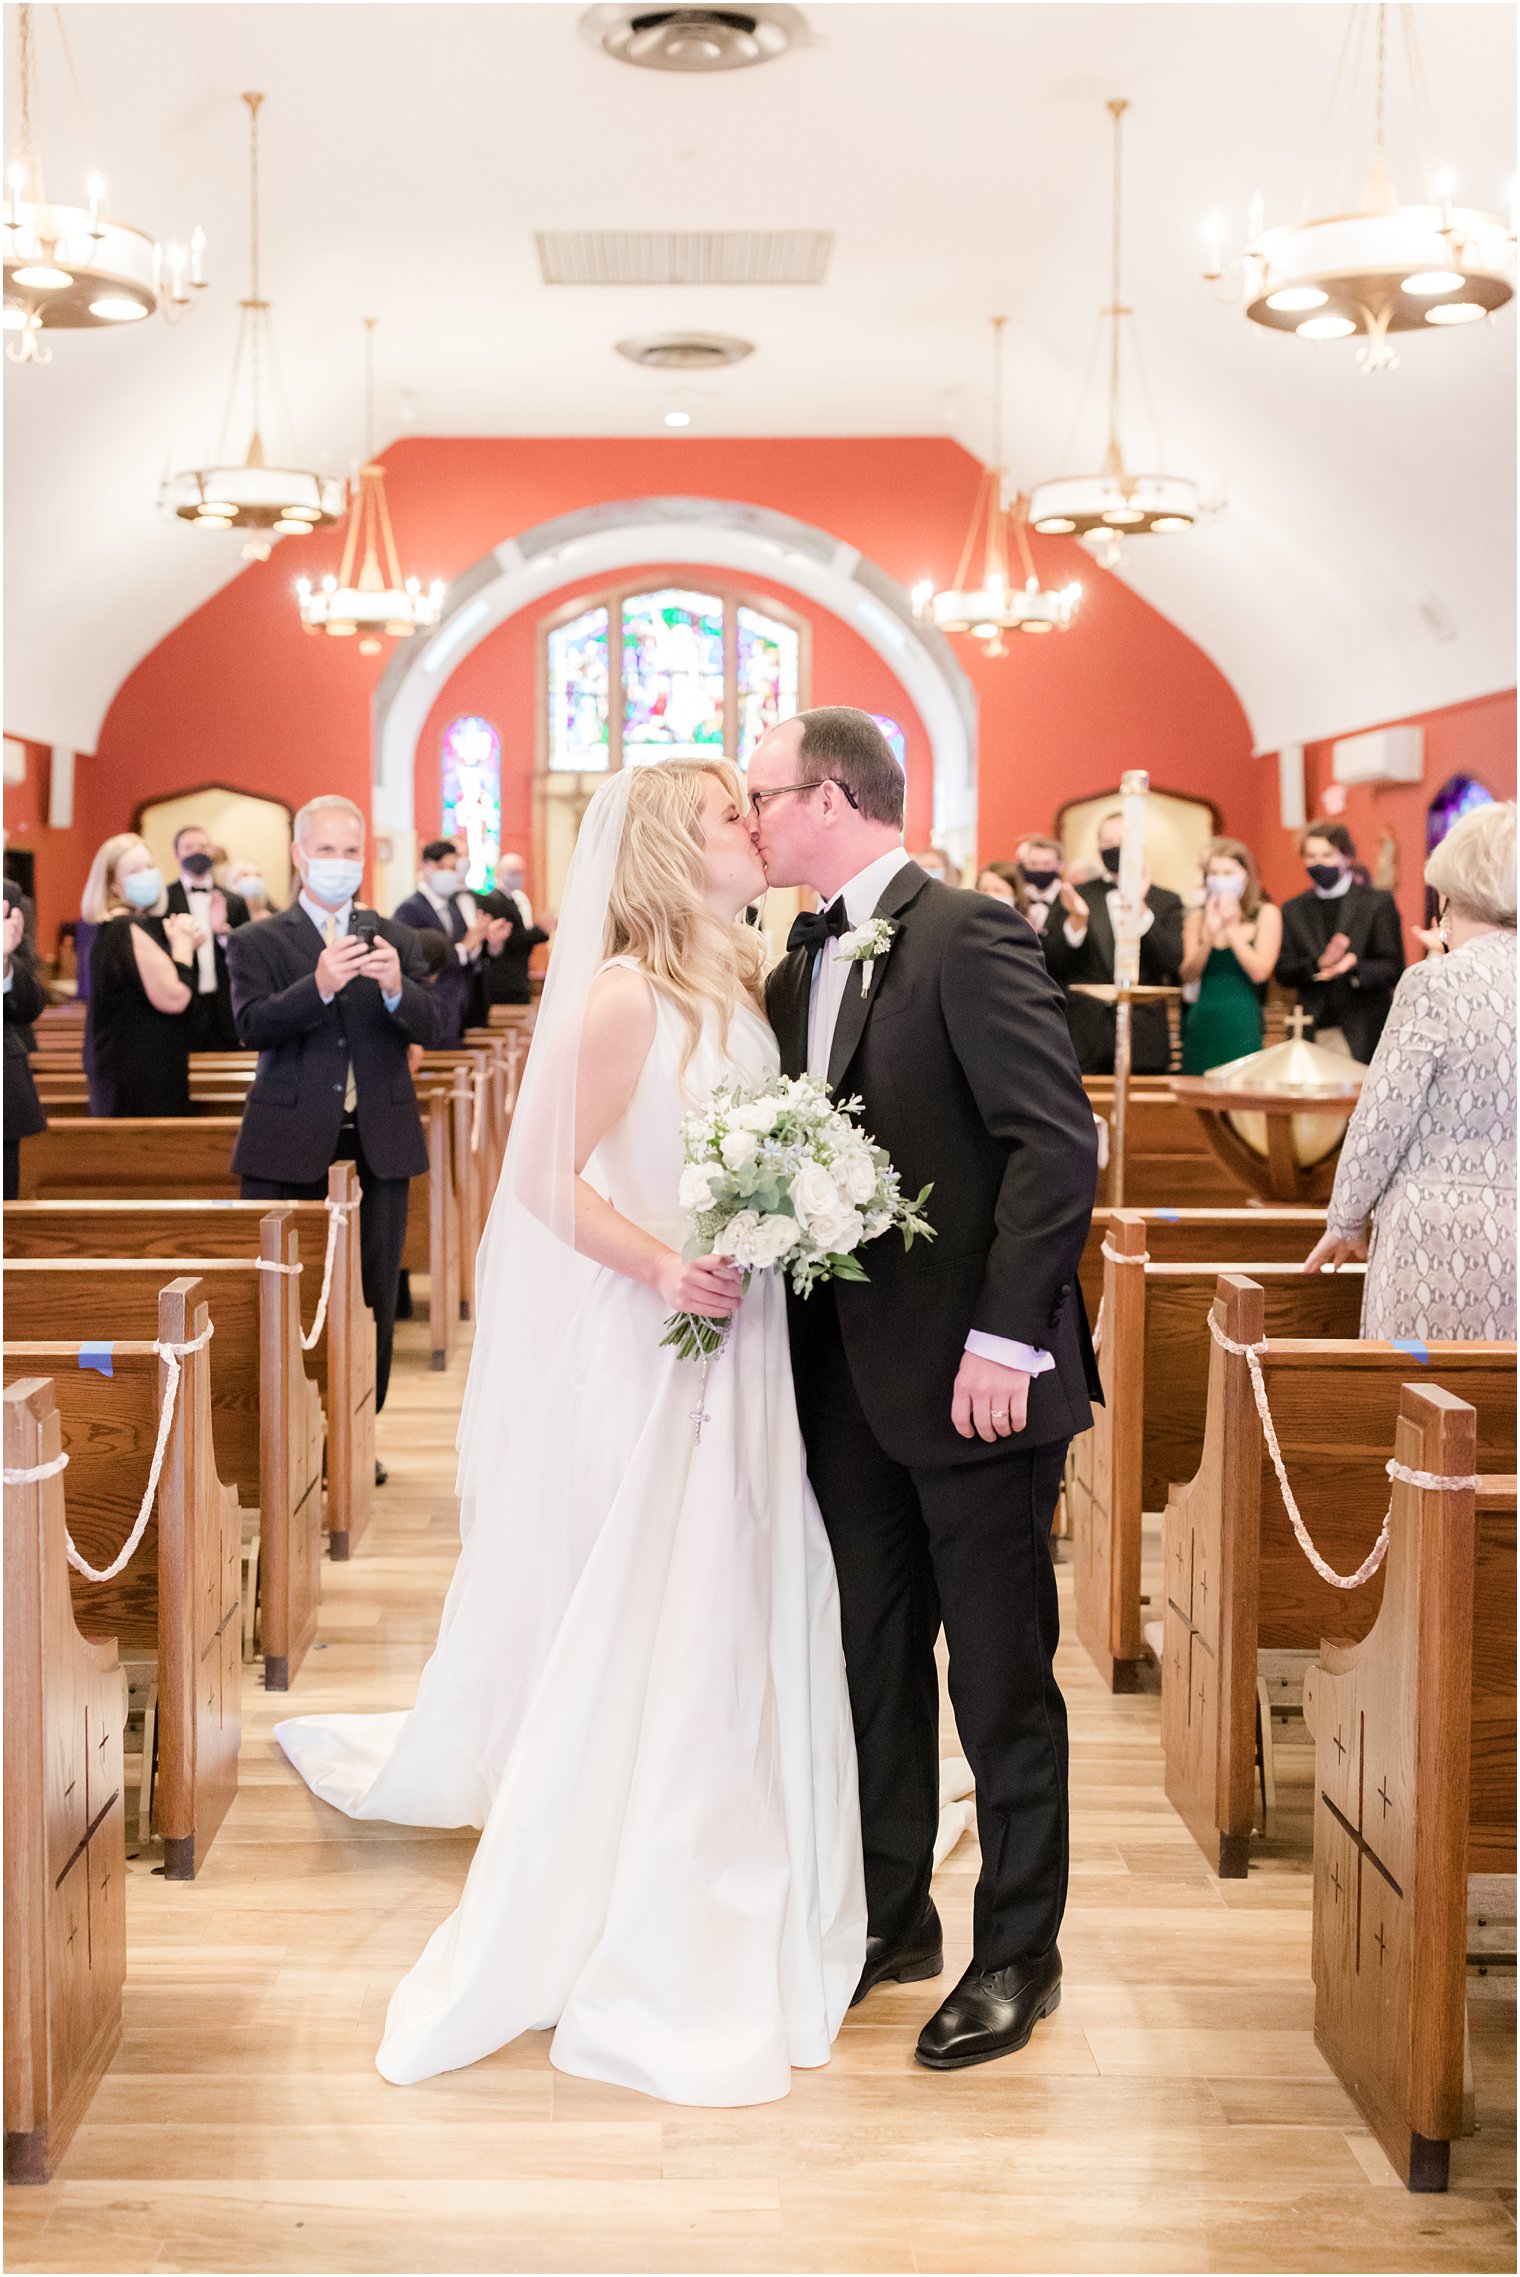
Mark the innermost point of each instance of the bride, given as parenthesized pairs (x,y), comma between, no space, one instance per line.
(638,1692)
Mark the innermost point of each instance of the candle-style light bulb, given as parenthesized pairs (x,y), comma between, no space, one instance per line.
(97,190)
(1214,238)
(1255,216)
(197,255)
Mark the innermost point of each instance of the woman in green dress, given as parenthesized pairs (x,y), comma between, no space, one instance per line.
(1230,946)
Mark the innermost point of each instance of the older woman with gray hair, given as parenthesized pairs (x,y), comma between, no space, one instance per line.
(1425,1188)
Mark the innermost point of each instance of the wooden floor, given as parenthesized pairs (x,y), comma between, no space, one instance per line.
(1173,2116)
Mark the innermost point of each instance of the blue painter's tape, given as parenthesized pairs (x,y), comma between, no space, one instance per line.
(98,1357)
(1167,1217)
(1413,1346)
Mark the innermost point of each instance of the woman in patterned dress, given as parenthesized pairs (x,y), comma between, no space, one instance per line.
(1425,1189)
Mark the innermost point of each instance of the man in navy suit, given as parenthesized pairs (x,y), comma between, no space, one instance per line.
(330,996)
(442,905)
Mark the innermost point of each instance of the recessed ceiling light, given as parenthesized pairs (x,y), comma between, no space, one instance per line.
(116,308)
(1455,312)
(1295,297)
(1325,328)
(1428,284)
(678,418)
(43,277)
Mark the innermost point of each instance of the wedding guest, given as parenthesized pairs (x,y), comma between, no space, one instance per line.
(1039,865)
(246,881)
(330,996)
(142,980)
(1082,949)
(1001,880)
(25,1000)
(507,976)
(1425,1186)
(1342,946)
(441,904)
(1230,946)
(939,865)
(216,911)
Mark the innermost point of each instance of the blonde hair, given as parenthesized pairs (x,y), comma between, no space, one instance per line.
(1474,865)
(1234,850)
(102,897)
(657,913)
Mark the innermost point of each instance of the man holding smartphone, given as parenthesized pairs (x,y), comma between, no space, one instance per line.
(330,995)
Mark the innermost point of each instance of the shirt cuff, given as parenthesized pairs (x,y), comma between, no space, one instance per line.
(1074,939)
(325,998)
(9,977)
(390,1002)
(1008,1353)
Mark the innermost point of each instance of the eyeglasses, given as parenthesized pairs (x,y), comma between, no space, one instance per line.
(757,798)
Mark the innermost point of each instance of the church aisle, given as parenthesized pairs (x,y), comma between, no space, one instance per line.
(1173,2116)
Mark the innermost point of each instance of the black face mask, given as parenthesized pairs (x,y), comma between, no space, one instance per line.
(1110,858)
(1325,874)
(197,865)
(1040,881)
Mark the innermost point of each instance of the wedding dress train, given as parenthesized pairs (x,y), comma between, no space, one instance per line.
(644,1710)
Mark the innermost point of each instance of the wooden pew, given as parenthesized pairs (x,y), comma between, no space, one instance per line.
(1414,1733)
(65,1837)
(1236,1581)
(178,1599)
(432,1225)
(266,1412)
(1153,1357)
(344,1354)
(1169,1159)
(132,1159)
(1283,1234)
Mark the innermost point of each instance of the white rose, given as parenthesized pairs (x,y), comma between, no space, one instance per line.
(772,1239)
(738,1149)
(841,1233)
(815,1197)
(859,1179)
(735,1239)
(697,1182)
(759,1116)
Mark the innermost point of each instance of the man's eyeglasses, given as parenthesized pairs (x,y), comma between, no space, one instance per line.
(758,798)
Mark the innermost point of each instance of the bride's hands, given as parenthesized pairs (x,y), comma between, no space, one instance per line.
(711,1286)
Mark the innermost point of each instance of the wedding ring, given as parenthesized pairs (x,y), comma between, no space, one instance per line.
(1000,1415)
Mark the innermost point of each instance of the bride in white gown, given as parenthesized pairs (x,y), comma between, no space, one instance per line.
(638,1692)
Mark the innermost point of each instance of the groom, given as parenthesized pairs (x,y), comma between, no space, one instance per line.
(937,1399)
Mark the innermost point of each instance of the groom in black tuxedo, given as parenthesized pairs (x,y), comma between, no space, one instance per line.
(937,1399)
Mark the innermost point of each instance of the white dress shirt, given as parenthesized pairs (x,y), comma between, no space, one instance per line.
(199,899)
(860,896)
(1074,940)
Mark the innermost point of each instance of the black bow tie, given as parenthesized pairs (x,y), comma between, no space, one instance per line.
(816,926)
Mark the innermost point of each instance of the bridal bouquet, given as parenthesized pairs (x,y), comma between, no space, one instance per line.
(785,1177)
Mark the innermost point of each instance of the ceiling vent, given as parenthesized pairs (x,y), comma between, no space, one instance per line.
(683,256)
(685,351)
(693,39)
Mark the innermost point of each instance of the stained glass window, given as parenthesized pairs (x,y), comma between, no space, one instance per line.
(579,682)
(672,676)
(1455,798)
(768,663)
(895,737)
(472,793)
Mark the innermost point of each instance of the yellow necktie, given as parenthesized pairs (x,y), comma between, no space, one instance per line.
(350,1088)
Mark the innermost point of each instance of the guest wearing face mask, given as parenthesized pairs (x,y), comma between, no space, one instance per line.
(441,904)
(245,881)
(195,893)
(1081,949)
(507,978)
(1229,950)
(142,980)
(1000,880)
(330,996)
(1342,946)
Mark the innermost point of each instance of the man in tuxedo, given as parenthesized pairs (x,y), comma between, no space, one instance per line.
(330,995)
(1082,948)
(1342,945)
(209,1020)
(25,1001)
(937,1398)
(507,979)
(441,904)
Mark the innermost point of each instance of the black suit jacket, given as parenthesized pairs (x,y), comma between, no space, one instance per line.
(295,1107)
(1092,1023)
(960,1055)
(25,1001)
(458,988)
(507,977)
(217,1031)
(1360,1001)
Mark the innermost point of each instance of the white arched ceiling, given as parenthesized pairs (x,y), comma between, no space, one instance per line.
(1364,566)
(707,534)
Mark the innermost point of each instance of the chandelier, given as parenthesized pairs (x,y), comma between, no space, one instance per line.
(68,267)
(996,605)
(1387,267)
(377,604)
(1103,508)
(254,495)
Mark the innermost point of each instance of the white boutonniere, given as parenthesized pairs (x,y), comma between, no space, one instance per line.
(864,944)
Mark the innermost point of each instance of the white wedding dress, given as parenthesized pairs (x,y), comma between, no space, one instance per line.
(646,1713)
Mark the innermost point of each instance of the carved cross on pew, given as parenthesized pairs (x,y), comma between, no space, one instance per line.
(1366,1855)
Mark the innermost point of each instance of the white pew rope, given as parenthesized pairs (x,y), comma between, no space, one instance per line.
(477,1124)
(174,1354)
(1120,1257)
(336,1211)
(39,1471)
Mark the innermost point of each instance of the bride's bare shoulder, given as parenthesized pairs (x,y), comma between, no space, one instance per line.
(622,994)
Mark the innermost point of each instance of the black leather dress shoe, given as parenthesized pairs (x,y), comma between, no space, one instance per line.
(993,2014)
(906,1959)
